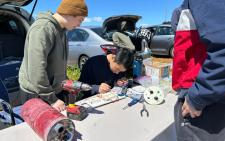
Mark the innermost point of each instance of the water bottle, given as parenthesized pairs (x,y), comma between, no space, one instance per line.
(137,66)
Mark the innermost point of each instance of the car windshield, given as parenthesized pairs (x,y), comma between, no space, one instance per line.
(98,31)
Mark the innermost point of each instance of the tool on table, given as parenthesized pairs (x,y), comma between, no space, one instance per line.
(75,85)
(133,102)
(135,99)
(144,110)
(76,112)
(47,122)
(142,100)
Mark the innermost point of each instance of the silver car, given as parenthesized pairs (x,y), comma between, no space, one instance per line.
(85,42)
(163,40)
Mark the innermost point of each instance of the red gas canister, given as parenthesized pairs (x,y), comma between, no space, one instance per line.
(47,122)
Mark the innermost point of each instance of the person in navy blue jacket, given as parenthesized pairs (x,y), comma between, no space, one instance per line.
(200,110)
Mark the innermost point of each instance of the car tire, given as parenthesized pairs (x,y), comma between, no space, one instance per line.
(171,52)
(82,60)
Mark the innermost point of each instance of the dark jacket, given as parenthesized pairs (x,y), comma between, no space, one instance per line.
(96,71)
(209,86)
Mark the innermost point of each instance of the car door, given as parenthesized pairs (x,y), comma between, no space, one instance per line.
(77,43)
(162,40)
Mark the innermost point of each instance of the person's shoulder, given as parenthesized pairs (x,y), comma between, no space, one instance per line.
(43,29)
(44,22)
(96,61)
(98,58)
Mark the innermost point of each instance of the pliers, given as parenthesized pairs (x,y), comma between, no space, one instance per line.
(144,110)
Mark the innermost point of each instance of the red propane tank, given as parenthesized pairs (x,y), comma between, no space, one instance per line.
(47,122)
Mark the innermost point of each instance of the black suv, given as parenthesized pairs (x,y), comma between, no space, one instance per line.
(14,24)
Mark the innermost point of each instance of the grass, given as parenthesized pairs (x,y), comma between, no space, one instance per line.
(73,72)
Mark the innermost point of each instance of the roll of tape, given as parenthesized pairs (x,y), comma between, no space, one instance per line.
(154,95)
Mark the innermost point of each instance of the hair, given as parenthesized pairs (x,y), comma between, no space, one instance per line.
(125,57)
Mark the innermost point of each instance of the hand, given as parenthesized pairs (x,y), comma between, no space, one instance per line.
(103,88)
(122,82)
(187,109)
(59,105)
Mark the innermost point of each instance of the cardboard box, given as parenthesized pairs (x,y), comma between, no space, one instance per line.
(156,69)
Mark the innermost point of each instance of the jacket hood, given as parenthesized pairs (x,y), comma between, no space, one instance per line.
(49,16)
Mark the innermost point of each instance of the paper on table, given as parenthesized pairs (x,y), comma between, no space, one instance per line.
(102,99)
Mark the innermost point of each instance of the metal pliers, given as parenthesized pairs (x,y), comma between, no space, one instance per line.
(144,110)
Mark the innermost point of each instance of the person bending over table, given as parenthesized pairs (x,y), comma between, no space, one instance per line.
(103,71)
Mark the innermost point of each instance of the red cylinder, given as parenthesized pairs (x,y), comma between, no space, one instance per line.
(46,121)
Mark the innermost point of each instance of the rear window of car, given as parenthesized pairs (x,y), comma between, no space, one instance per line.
(99,31)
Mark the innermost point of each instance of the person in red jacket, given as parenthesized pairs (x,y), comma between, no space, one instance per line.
(198,70)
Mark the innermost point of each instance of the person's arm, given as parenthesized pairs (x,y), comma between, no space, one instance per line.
(210,83)
(86,77)
(40,45)
(175,18)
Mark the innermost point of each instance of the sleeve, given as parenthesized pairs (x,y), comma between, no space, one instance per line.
(210,82)
(95,89)
(39,45)
(175,18)
(86,77)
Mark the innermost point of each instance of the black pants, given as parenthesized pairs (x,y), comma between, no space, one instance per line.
(210,126)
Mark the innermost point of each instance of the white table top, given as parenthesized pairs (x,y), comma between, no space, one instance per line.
(112,123)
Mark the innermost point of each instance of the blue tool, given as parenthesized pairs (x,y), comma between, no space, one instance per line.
(133,102)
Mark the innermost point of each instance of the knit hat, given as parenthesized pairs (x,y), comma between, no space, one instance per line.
(73,7)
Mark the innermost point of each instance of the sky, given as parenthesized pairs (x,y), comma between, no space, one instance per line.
(152,11)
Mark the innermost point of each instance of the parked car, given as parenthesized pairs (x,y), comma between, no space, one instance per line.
(120,23)
(14,24)
(163,40)
(85,42)
(125,24)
